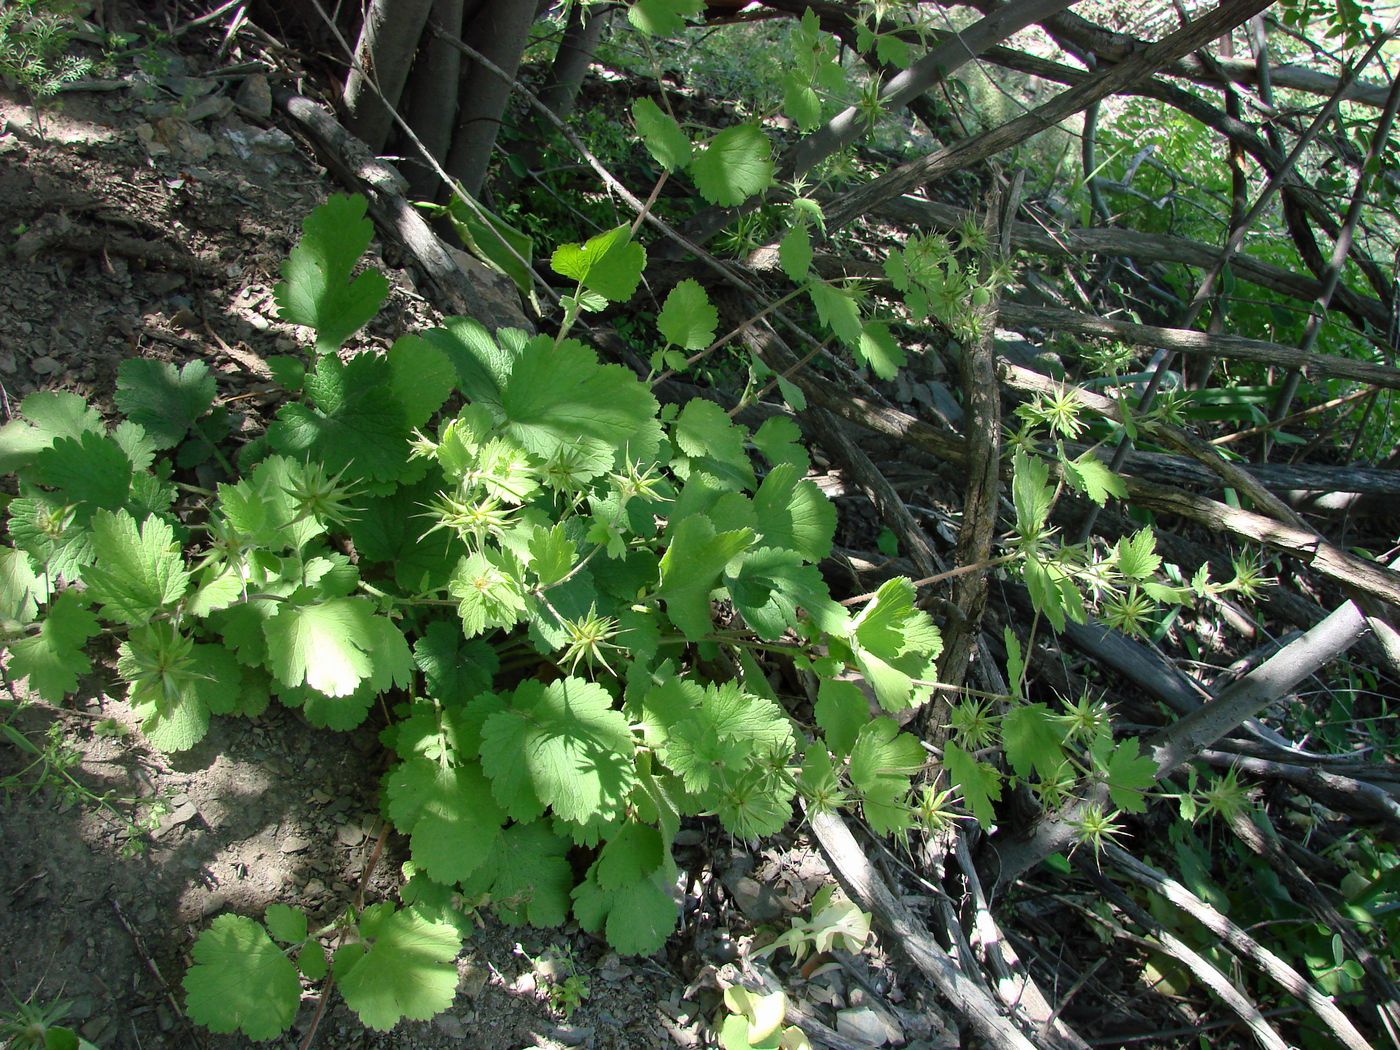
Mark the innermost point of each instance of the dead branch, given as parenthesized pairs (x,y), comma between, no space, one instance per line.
(1204,970)
(1115,78)
(1366,802)
(853,870)
(1241,943)
(1261,837)
(1187,341)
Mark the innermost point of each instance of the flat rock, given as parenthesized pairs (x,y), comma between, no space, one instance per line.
(868,1026)
(757,901)
(254,98)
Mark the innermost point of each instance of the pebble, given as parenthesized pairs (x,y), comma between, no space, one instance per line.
(254,98)
(570,1035)
(210,106)
(44,366)
(451,1026)
(350,835)
(868,1026)
(295,844)
(757,901)
(213,904)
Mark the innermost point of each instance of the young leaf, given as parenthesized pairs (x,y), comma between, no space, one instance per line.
(1137,555)
(637,918)
(609,264)
(422,377)
(449,814)
(629,856)
(316,289)
(562,746)
(687,319)
(54,658)
(560,401)
(91,472)
(327,645)
(136,574)
(402,969)
(1030,492)
(979,782)
(532,876)
(21,590)
(241,981)
(1033,740)
(795,253)
(1129,775)
(662,17)
(356,427)
(691,569)
(488,593)
(794,513)
(801,103)
(779,439)
(705,429)
(894,645)
(1090,475)
(878,349)
(733,166)
(163,400)
(664,139)
(841,711)
(50,414)
(285,924)
(883,760)
(838,310)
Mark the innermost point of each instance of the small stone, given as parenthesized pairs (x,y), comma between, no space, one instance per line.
(81,1008)
(44,366)
(757,901)
(350,835)
(213,904)
(451,1026)
(295,844)
(98,1028)
(868,1026)
(524,984)
(315,888)
(208,107)
(254,98)
(570,1034)
(689,837)
(471,978)
(183,813)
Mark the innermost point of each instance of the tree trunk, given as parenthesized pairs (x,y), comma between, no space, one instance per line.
(576,49)
(432,105)
(498,31)
(560,92)
(383,55)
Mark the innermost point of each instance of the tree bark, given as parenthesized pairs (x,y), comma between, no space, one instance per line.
(432,110)
(383,55)
(962,154)
(498,30)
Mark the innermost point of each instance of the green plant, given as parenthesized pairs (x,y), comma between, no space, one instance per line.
(513,550)
(35,38)
(755,1022)
(29,1026)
